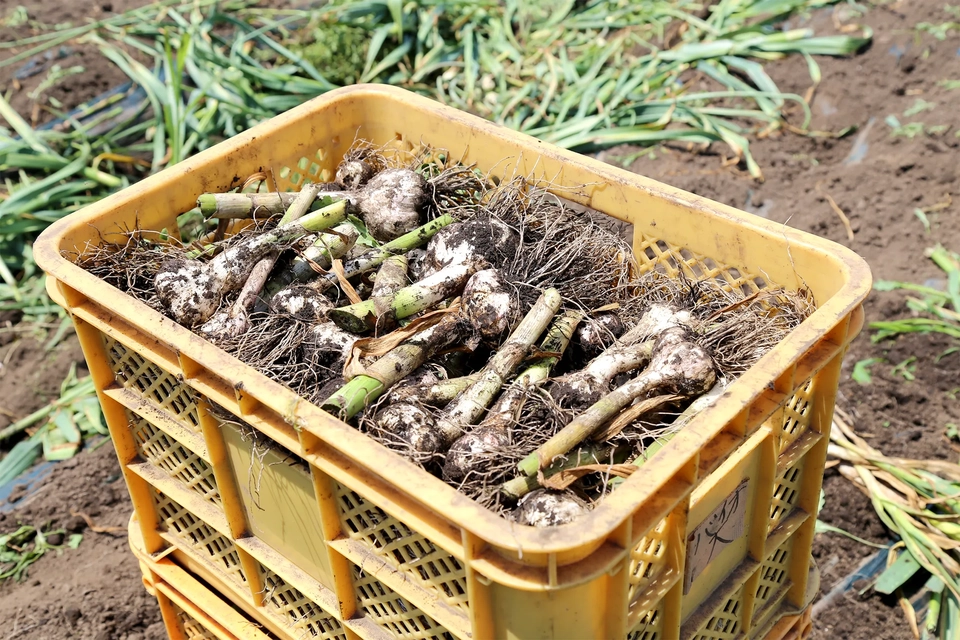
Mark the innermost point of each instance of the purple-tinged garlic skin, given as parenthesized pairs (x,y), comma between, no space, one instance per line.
(391,203)
(545,508)
(489,303)
(472,452)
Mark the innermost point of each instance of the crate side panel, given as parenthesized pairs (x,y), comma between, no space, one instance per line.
(648,558)
(157,385)
(774,577)
(654,254)
(199,538)
(156,446)
(406,549)
(304,617)
(725,623)
(719,523)
(192,628)
(649,627)
(277,493)
(786,493)
(797,414)
(393,612)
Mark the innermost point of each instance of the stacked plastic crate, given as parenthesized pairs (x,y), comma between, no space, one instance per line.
(258,515)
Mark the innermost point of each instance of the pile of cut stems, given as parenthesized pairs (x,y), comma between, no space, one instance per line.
(918,501)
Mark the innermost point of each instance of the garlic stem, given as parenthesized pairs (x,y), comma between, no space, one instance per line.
(375,257)
(361,390)
(365,315)
(507,408)
(233,321)
(467,408)
(678,367)
(326,248)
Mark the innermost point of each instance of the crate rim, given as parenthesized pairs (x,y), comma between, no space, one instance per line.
(459,510)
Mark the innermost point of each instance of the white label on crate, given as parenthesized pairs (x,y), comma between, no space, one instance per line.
(721,528)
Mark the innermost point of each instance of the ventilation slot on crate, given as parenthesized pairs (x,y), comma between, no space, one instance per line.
(160,449)
(773,576)
(648,628)
(647,559)
(404,548)
(199,538)
(724,623)
(657,255)
(394,612)
(135,372)
(796,415)
(192,629)
(786,494)
(306,168)
(297,611)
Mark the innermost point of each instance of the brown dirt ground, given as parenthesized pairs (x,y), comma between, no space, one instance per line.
(99,73)
(878,192)
(92,592)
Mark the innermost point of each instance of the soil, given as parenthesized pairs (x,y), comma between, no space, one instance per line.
(876,178)
(31,374)
(92,592)
(99,74)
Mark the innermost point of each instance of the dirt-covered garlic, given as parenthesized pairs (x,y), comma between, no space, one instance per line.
(544,508)
(391,203)
(416,260)
(327,339)
(470,246)
(468,407)
(191,290)
(598,333)
(470,450)
(301,301)
(489,303)
(399,417)
(475,241)
(353,174)
(584,387)
(187,291)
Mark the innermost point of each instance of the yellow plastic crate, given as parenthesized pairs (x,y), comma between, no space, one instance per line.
(190,610)
(282,611)
(798,627)
(375,544)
